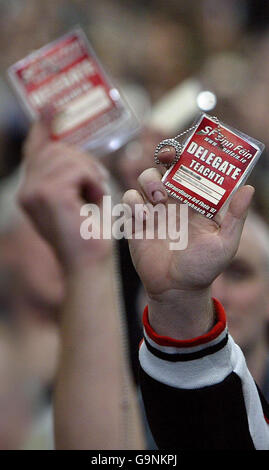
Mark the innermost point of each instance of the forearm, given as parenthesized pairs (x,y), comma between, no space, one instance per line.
(94,401)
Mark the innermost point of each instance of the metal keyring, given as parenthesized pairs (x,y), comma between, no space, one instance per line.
(165,143)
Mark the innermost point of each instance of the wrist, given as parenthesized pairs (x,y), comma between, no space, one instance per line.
(182,314)
(88,260)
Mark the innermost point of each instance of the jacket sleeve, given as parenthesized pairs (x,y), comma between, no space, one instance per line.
(199,393)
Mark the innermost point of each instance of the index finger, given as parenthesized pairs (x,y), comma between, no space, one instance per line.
(37,138)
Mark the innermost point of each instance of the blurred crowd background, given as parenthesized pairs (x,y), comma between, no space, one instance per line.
(149,48)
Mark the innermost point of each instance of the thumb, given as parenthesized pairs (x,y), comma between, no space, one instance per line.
(233,222)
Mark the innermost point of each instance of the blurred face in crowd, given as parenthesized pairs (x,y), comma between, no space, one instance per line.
(14,396)
(253,104)
(221,23)
(243,290)
(165,54)
(28,259)
(31,291)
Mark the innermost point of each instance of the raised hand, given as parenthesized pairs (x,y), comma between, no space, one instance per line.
(180,280)
(58,180)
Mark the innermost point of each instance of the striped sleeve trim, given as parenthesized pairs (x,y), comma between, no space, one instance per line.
(214,333)
(255,406)
(265,405)
(189,356)
(181,351)
(187,364)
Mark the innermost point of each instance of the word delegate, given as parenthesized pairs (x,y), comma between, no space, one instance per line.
(216,162)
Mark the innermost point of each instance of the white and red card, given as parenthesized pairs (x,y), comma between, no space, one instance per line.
(66,78)
(215,161)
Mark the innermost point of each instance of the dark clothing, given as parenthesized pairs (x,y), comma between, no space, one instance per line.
(199,394)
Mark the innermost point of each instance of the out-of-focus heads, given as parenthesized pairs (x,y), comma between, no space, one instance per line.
(243,286)
(153,46)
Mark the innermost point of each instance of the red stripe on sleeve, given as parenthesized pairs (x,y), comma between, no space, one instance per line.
(217,329)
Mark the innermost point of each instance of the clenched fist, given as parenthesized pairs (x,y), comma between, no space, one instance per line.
(58,180)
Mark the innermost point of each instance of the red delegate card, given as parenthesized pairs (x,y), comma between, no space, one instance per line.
(215,161)
(66,78)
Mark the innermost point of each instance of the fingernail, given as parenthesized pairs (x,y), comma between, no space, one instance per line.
(158,196)
(165,150)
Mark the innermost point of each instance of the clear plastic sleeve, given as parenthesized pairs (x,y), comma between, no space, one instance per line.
(66,78)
